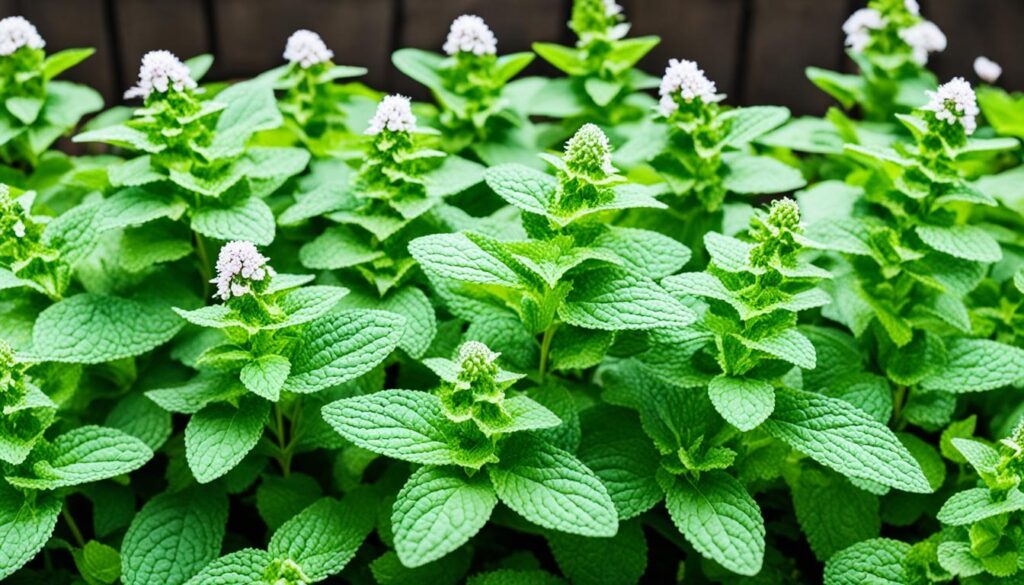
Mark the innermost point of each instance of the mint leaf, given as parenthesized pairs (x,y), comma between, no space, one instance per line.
(174,536)
(83,455)
(324,537)
(833,513)
(976,504)
(963,241)
(25,526)
(613,299)
(244,567)
(743,402)
(551,488)
(220,435)
(402,424)
(265,376)
(760,174)
(845,439)
(879,561)
(602,561)
(342,346)
(248,219)
(437,511)
(720,519)
(976,365)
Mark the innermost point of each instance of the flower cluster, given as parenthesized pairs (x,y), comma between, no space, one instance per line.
(476,360)
(612,8)
(161,71)
(394,113)
(987,69)
(924,38)
(588,152)
(238,266)
(912,7)
(859,25)
(17,32)
(306,48)
(684,79)
(955,102)
(470,34)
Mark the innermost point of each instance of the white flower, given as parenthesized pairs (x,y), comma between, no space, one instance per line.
(19,229)
(912,7)
(924,37)
(612,8)
(161,71)
(17,32)
(859,25)
(987,69)
(394,113)
(306,48)
(954,102)
(238,265)
(470,34)
(684,78)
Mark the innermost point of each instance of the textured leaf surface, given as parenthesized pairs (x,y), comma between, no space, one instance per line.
(83,455)
(437,511)
(324,537)
(612,299)
(249,219)
(845,439)
(976,365)
(174,536)
(834,514)
(219,436)
(878,561)
(244,567)
(619,560)
(24,527)
(720,519)
(963,241)
(551,488)
(265,376)
(975,504)
(743,402)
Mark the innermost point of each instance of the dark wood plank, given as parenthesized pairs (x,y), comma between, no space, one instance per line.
(516,23)
(79,23)
(785,37)
(705,31)
(979,27)
(146,25)
(251,34)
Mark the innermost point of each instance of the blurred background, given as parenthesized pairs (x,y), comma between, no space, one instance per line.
(755,50)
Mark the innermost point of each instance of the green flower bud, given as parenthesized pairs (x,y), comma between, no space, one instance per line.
(476,361)
(588,153)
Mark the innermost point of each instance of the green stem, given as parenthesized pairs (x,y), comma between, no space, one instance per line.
(284,457)
(204,263)
(545,349)
(898,401)
(72,525)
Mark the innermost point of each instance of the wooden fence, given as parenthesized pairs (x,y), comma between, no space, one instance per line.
(756,50)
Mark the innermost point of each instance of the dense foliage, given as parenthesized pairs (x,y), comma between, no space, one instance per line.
(291,330)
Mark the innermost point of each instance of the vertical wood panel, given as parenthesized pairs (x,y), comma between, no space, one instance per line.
(78,23)
(516,23)
(979,27)
(787,36)
(705,31)
(145,25)
(251,34)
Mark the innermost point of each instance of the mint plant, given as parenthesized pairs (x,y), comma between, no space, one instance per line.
(289,330)
(35,108)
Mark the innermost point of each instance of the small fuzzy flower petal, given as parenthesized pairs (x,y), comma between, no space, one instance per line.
(17,32)
(912,7)
(19,229)
(924,38)
(161,71)
(954,102)
(612,8)
(987,69)
(470,34)
(684,79)
(859,25)
(238,265)
(394,113)
(306,48)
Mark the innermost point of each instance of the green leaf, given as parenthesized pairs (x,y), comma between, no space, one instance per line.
(720,519)
(976,365)
(969,242)
(220,435)
(324,537)
(265,375)
(26,109)
(437,511)
(25,526)
(612,299)
(91,328)
(174,536)
(834,514)
(845,439)
(743,402)
(401,424)
(82,455)
(552,489)
(976,504)
(61,61)
(342,346)
(456,257)
(602,91)
(983,459)
(279,498)
(141,418)
(338,247)
(760,174)
(618,560)
(645,252)
(528,189)
(136,206)
(247,219)
(97,563)
(879,561)
(748,123)
(789,345)
(251,107)
(244,567)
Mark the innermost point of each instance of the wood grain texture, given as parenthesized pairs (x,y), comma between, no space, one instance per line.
(180,27)
(251,34)
(705,31)
(785,37)
(516,23)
